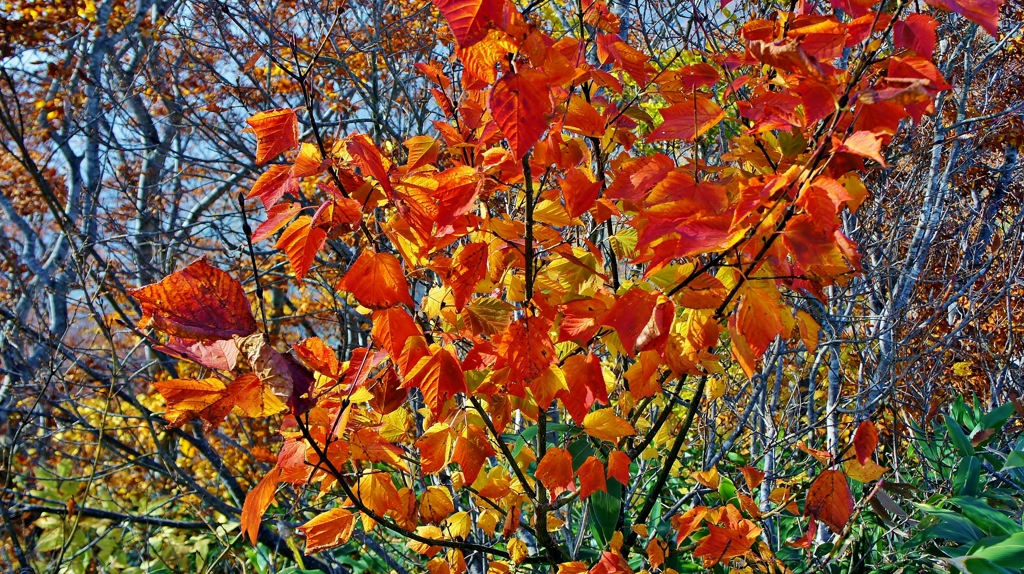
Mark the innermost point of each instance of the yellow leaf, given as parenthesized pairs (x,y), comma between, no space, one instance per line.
(436,504)
(605,425)
(517,550)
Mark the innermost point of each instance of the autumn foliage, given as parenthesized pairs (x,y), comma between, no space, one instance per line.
(553,281)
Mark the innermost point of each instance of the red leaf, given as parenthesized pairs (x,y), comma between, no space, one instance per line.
(618,466)
(388,394)
(983,12)
(526,349)
(626,57)
(808,537)
(591,474)
(301,243)
(376,280)
(916,33)
(368,157)
(829,500)
(520,103)
(276,131)
(199,302)
(586,386)
(687,120)
(630,314)
(865,440)
(752,476)
(470,20)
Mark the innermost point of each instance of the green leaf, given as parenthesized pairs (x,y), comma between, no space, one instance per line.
(968,476)
(727,490)
(995,419)
(960,440)
(989,520)
(977,565)
(1014,460)
(1006,551)
(951,526)
(604,512)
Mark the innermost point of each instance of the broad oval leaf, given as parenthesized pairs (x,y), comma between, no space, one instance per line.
(199,302)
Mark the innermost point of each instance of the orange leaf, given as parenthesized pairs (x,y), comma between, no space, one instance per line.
(520,103)
(822,456)
(277,217)
(301,243)
(591,474)
(526,349)
(724,543)
(752,476)
(579,191)
(315,354)
(254,398)
(657,549)
(605,425)
(328,530)
(199,302)
(758,319)
(865,440)
(376,280)
(256,503)
(709,478)
(554,471)
(687,120)
(435,446)
(469,266)
(276,131)
(688,522)
(377,492)
(422,151)
(309,161)
(273,185)
(618,466)
(582,118)
(188,398)
(471,450)
(439,377)
(864,143)
(829,500)
(392,329)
